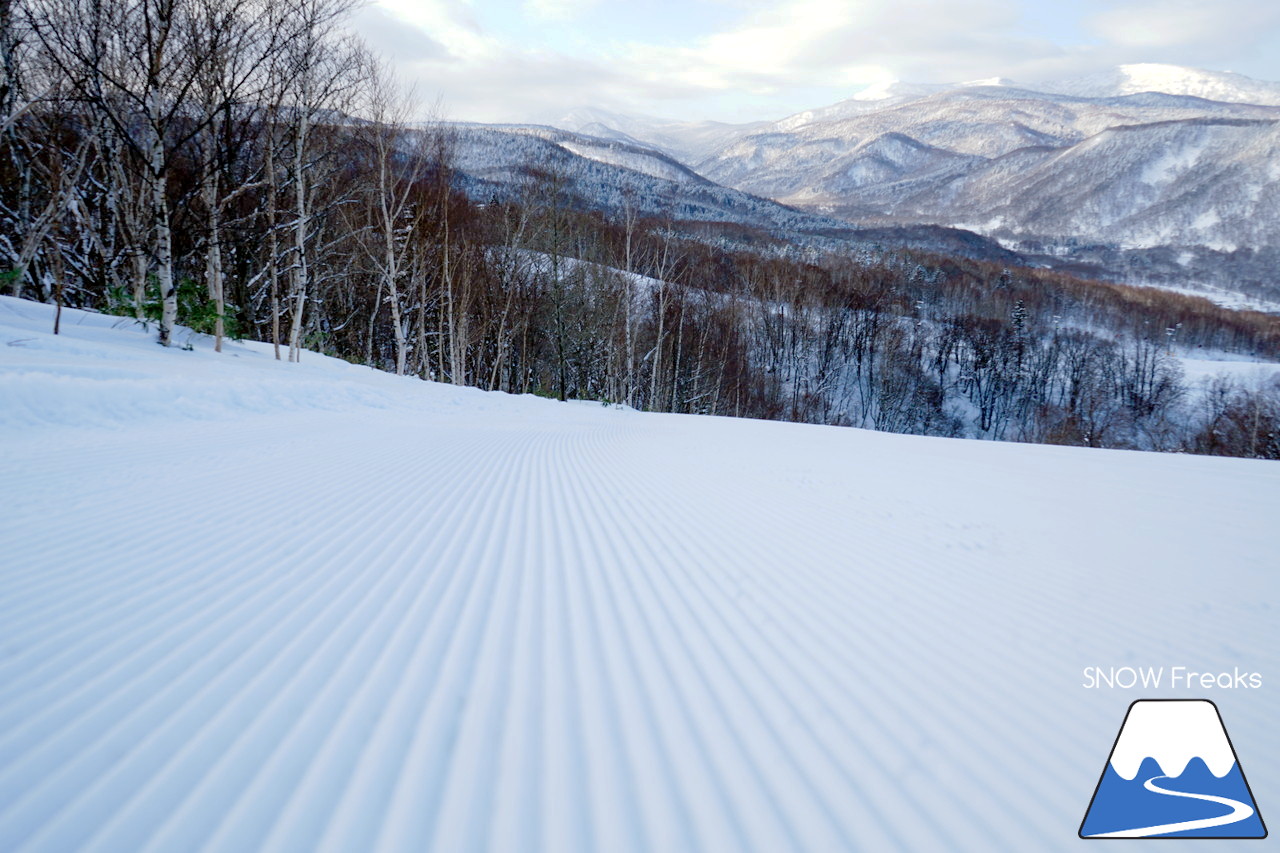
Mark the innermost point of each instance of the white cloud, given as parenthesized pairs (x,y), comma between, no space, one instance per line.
(447,22)
(1186,23)
(776,57)
(839,43)
(558,10)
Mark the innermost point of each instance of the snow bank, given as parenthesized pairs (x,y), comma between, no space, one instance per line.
(107,373)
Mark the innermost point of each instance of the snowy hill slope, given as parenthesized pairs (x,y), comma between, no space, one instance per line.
(501,161)
(251,605)
(610,151)
(1207,182)
(611,175)
(690,142)
(972,123)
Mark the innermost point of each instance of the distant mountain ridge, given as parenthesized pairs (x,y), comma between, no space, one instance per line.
(1172,80)
(687,141)
(1142,159)
(609,174)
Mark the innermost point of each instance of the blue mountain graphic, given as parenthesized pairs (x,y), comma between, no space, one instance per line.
(1122,804)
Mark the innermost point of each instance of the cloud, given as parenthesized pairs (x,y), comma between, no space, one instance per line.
(558,10)
(446,22)
(393,39)
(1187,23)
(806,43)
(739,59)
(518,87)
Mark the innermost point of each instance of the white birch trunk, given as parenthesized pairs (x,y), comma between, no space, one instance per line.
(391,260)
(213,253)
(300,225)
(162,232)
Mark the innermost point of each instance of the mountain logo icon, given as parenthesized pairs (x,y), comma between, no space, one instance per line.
(1172,773)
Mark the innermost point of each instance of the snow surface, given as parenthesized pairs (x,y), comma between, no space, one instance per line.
(252,605)
(1219,296)
(1250,375)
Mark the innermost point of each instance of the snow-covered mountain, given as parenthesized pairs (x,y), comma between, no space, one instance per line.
(1206,182)
(691,142)
(517,161)
(805,162)
(477,151)
(1172,80)
(610,174)
(1140,158)
(508,161)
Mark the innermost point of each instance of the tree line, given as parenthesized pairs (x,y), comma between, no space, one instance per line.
(247,168)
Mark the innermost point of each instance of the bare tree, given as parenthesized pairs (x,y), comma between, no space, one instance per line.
(399,158)
(125,61)
(239,39)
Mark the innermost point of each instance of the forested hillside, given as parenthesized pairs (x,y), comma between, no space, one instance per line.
(246,169)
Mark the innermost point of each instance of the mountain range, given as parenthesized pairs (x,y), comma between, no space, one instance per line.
(614,175)
(1147,172)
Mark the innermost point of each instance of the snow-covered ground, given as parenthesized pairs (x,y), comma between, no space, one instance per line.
(1219,296)
(1197,371)
(251,605)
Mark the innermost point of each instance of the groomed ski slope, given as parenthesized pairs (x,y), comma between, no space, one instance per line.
(251,605)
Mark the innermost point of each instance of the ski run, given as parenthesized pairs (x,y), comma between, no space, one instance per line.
(251,605)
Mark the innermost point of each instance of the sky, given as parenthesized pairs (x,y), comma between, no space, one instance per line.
(748,60)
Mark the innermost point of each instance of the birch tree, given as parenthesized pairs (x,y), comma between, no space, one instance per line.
(319,68)
(239,39)
(399,160)
(127,62)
